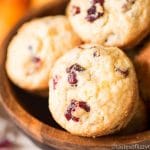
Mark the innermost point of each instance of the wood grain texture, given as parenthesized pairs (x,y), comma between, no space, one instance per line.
(31,114)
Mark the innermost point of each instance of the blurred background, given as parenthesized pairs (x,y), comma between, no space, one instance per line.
(11,11)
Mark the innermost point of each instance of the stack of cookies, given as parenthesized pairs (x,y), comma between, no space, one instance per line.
(80,60)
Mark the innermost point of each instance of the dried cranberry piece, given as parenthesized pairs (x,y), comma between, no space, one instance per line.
(70,108)
(124,72)
(76,119)
(37,62)
(55,82)
(5,143)
(92,18)
(36,59)
(75,10)
(75,67)
(92,14)
(73,106)
(72,78)
(91,10)
(84,106)
(98,1)
(68,116)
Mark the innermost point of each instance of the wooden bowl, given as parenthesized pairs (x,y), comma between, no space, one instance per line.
(31,113)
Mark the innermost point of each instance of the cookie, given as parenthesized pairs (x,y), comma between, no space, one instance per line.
(96,93)
(34,49)
(121,23)
(142,65)
(139,122)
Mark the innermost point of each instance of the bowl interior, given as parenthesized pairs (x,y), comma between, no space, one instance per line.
(35,108)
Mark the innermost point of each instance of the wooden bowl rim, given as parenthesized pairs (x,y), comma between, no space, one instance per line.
(39,130)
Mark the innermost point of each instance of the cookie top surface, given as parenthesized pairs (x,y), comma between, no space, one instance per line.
(96,92)
(36,46)
(121,23)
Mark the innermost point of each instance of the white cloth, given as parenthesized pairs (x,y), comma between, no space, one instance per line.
(10,136)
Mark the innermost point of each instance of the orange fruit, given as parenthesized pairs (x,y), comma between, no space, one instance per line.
(10,12)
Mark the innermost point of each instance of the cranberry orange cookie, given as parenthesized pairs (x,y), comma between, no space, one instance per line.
(96,93)
(121,23)
(34,49)
(142,63)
